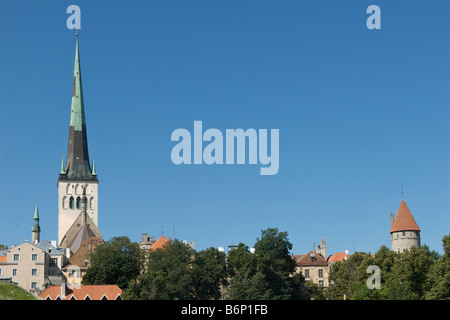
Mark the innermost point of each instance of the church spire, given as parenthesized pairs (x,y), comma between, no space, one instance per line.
(63,170)
(94,173)
(36,229)
(77,164)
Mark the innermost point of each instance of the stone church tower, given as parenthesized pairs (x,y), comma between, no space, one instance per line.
(77,182)
(405,232)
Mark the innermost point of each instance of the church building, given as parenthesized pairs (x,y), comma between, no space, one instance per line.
(78,181)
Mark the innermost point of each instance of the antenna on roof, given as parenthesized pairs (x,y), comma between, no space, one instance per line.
(174,230)
(402,187)
(162,230)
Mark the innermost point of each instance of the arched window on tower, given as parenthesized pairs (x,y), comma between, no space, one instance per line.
(78,203)
(71,203)
(92,203)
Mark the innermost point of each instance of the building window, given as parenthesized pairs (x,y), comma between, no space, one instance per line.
(16,257)
(0,272)
(92,203)
(403,233)
(71,203)
(53,262)
(33,285)
(34,272)
(14,272)
(320,283)
(320,273)
(307,273)
(78,202)
(34,257)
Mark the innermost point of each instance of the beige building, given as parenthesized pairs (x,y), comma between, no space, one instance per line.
(33,266)
(314,265)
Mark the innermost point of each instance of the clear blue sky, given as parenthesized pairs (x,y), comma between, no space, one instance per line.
(359,112)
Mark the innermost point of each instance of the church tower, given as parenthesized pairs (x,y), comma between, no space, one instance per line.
(405,232)
(77,182)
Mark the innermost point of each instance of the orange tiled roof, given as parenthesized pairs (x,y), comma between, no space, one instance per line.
(340,256)
(404,220)
(94,292)
(3,259)
(160,243)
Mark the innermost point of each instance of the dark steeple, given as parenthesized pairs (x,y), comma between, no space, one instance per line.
(77,164)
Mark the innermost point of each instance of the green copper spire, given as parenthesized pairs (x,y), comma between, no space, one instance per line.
(77,164)
(36,227)
(77,118)
(63,171)
(93,166)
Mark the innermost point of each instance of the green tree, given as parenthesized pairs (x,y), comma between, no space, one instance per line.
(209,274)
(315,291)
(438,279)
(168,274)
(407,279)
(345,276)
(115,262)
(268,273)
(239,258)
(249,286)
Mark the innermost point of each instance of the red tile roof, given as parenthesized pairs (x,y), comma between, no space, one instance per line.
(94,292)
(404,220)
(311,259)
(3,259)
(162,241)
(340,256)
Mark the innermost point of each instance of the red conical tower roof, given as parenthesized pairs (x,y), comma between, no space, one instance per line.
(404,221)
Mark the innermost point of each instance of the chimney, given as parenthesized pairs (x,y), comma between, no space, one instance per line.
(323,247)
(152,239)
(392,218)
(144,238)
(63,289)
(346,254)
